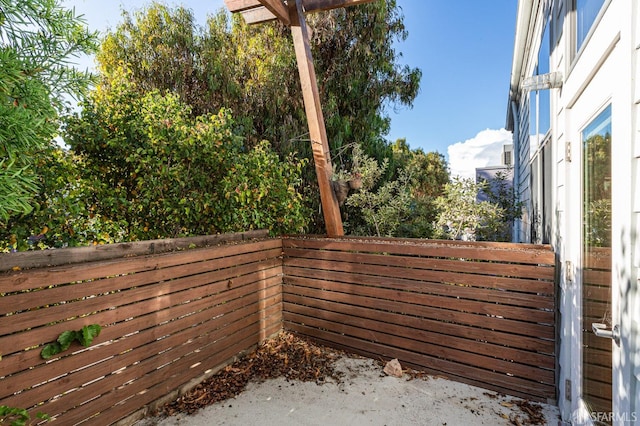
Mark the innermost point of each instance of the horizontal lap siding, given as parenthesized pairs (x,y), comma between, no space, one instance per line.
(480,313)
(167,319)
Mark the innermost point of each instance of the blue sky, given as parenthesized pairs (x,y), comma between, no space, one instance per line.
(464,49)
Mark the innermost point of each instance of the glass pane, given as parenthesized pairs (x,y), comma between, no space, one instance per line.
(533,122)
(544,53)
(596,262)
(586,13)
(544,112)
(544,96)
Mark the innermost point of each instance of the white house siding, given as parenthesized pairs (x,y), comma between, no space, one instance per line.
(606,71)
(634,296)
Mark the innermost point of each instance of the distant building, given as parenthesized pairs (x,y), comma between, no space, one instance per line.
(489,173)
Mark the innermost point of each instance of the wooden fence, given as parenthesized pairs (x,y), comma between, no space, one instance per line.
(480,313)
(166,319)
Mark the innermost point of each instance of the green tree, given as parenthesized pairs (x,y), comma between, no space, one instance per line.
(499,191)
(378,209)
(428,174)
(63,215)
(164,173)
(252,71)
(37,39)
(261,192)
(597,195)
(462,217)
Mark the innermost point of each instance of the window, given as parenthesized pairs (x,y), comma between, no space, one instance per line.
(586,14)
(507,157)
(544,98)
(557,21)
(540,101)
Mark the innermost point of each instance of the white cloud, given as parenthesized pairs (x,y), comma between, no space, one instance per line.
(483,150)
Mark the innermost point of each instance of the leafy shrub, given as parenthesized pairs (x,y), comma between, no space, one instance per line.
(462,217)
(162,173)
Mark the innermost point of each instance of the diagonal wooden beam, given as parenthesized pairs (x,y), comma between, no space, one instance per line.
(315,119)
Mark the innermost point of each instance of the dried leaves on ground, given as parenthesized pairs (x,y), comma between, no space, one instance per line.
(286,356)
(533,414)
(296,358)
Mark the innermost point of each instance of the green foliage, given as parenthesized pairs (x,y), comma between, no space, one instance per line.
(597,230)
(17,187)
(428,175)
(252,71)
(597,193)
(461,216)
(63,214)
(83,336)
(37,38)
(261,192)
(161,172)
(403,206)
(18,416)
(500,192)
(382,208)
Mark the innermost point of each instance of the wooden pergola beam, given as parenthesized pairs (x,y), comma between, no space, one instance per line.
(278,9)
(240,5)
(254,12)
(257,15)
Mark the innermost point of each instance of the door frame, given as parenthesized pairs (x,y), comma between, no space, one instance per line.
(596,95)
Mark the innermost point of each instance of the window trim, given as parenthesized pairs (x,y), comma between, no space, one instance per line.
(575,53)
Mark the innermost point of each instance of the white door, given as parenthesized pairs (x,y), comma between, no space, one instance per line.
(599,216)
(599,328)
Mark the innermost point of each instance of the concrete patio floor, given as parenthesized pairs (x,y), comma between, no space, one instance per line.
(366,396)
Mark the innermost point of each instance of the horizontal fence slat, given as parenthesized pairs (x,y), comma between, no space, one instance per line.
(420,341)
(50,295)
(41,317)
(42,258)
(513,285)
(196,349)
(449,289)
(423,265)
(164,376)
(173,327)
(510,312)
(410,283)
(157,304)
(33,279)
(518,253)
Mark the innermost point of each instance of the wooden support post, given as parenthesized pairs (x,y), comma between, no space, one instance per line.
(317,130)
